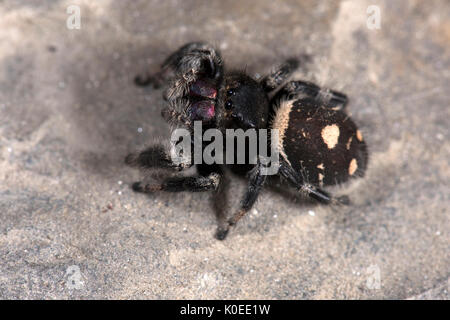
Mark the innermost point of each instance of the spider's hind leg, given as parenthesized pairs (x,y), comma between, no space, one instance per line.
(287,172)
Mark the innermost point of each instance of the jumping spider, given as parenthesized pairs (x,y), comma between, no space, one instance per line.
(318,143)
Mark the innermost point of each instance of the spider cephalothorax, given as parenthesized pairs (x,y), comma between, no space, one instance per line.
(318,144)
(242,94)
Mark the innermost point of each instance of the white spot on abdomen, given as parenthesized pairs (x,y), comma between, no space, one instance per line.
(359,135)
(352,167)
(330,135)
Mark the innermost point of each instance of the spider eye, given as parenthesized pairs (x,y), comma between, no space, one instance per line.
(228,105)
(231,92)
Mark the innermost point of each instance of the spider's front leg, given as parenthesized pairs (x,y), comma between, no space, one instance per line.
(298,89)
(177,112)
(168,67)
(182,112)
(185,65)
(204,63)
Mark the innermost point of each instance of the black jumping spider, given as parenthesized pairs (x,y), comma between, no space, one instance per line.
(318,142)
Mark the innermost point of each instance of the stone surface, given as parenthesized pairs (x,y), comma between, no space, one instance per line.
(70,227)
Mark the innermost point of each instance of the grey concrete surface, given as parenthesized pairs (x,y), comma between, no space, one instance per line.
(71,228)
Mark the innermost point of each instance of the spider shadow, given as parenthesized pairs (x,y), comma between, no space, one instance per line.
(108,111)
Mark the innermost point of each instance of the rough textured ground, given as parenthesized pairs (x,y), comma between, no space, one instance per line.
(71,228)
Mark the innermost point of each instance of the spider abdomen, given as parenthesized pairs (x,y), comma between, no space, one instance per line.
(322,144)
